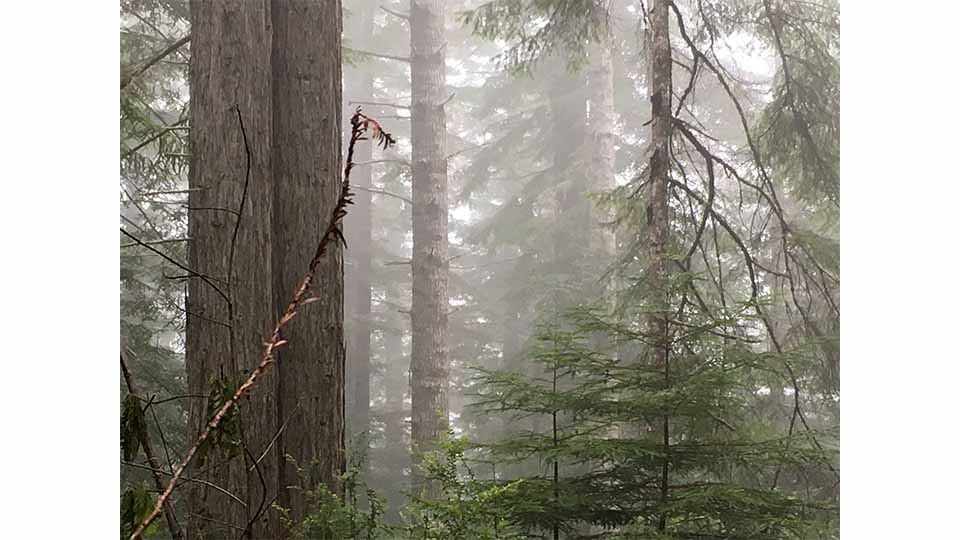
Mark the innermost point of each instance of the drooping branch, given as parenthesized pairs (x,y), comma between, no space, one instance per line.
(362,126)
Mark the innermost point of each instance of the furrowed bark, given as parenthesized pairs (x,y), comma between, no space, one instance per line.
(229,70)
(307,184)
(428,362)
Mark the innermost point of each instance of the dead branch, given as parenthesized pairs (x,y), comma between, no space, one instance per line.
(397,14)
(384,192)
(362,125)
(380,104)
(221,489)
(136,72)
(381,56)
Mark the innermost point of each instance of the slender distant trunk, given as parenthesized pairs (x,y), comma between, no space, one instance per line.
(428,361)
(396,458)
(658,217)
(359,237)
(306,173)
(279,65)
(568,113)
(601,124)
(229,69)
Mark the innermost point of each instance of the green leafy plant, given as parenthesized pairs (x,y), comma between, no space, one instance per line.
(135,504)
(133,427)
(226,436)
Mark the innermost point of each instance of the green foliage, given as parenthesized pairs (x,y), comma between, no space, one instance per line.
(801,125)
(226,436)
(464,507)
(536,29)
(329,516)
(133,427)
(135,505)
(608,446)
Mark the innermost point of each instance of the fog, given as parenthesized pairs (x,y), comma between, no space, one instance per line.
(592,290)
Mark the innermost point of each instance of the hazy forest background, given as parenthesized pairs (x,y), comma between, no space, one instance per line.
(587,284)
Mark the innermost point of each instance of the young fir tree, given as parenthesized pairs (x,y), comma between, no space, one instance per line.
(603,458)
(694,311)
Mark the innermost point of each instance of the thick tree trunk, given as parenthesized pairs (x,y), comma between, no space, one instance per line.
(229,69)
(306,176)
(280,65)
(658,216)
(428,361)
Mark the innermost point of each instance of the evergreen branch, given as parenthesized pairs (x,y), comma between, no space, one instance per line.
(175,127)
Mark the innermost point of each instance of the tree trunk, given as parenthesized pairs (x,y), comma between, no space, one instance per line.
(229,69)
(428,361)
(306,175)
(396,457)
(280,65)
(658,217)
(601,124)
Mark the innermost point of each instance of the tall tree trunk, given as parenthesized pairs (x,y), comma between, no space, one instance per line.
(229,69)
(359,237)
(280,66)
(601,124)
(658,216)
(428,361)
(306,173)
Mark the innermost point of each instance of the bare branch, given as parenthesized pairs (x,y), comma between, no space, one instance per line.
(157,242)
(187,479)
(387,193)
(381,56)
(135,72)
(397,14)
(380,104)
